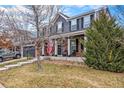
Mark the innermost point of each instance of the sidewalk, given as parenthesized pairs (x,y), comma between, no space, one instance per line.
(9,61)
(1,86)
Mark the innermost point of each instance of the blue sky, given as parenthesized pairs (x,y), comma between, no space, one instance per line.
(72,10)
(78,9)
(69,10)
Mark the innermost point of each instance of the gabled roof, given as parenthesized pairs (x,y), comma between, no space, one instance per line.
(59,14)
(82,14)
(67,18)
(63,15)
(86,13)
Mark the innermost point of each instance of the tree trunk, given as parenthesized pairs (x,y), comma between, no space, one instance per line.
(38,58)
(38,45)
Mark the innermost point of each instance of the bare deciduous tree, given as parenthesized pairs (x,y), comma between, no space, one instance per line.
(37,16)
(14,27)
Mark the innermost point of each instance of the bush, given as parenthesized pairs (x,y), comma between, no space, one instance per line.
(104,45)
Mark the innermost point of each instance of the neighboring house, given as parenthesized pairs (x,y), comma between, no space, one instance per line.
(23,41)
(61,37)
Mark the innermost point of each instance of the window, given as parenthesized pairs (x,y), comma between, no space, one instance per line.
(73,24)
(86,21)
(73,46)
(59,27)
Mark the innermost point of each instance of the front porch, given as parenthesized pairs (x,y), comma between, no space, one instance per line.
(64,45)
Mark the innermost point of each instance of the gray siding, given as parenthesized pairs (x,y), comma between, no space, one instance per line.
(65,27)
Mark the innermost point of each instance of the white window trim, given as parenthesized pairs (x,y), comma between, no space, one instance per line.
(73,23)
(87,21)
(59,26)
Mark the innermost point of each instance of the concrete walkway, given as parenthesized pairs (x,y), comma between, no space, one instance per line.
(13,60)
(72,59)
(1,86)
(6,67)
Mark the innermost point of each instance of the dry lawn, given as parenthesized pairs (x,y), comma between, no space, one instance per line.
(60,74)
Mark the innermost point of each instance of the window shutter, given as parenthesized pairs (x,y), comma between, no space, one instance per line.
(62,27)
(77,24)
(77,45)
(82,22)
(56,28)
(92,18)
(69,25)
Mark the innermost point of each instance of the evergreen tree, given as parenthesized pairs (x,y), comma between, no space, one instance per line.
(104,46)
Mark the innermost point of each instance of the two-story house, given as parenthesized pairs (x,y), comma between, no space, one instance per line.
(62,36)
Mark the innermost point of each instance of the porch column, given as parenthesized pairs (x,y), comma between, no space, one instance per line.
(56,48)
(85,40)
(21,51)
(43,49)
(68,46)
(95,15)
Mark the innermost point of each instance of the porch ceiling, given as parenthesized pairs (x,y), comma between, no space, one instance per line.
(67,34)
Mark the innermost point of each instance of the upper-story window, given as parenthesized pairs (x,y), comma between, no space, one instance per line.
(92,18)
(87,21)
(59,26)
(73,24)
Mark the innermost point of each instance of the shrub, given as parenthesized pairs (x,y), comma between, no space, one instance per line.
(104,45)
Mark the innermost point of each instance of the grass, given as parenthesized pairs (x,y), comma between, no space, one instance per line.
(60,75)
